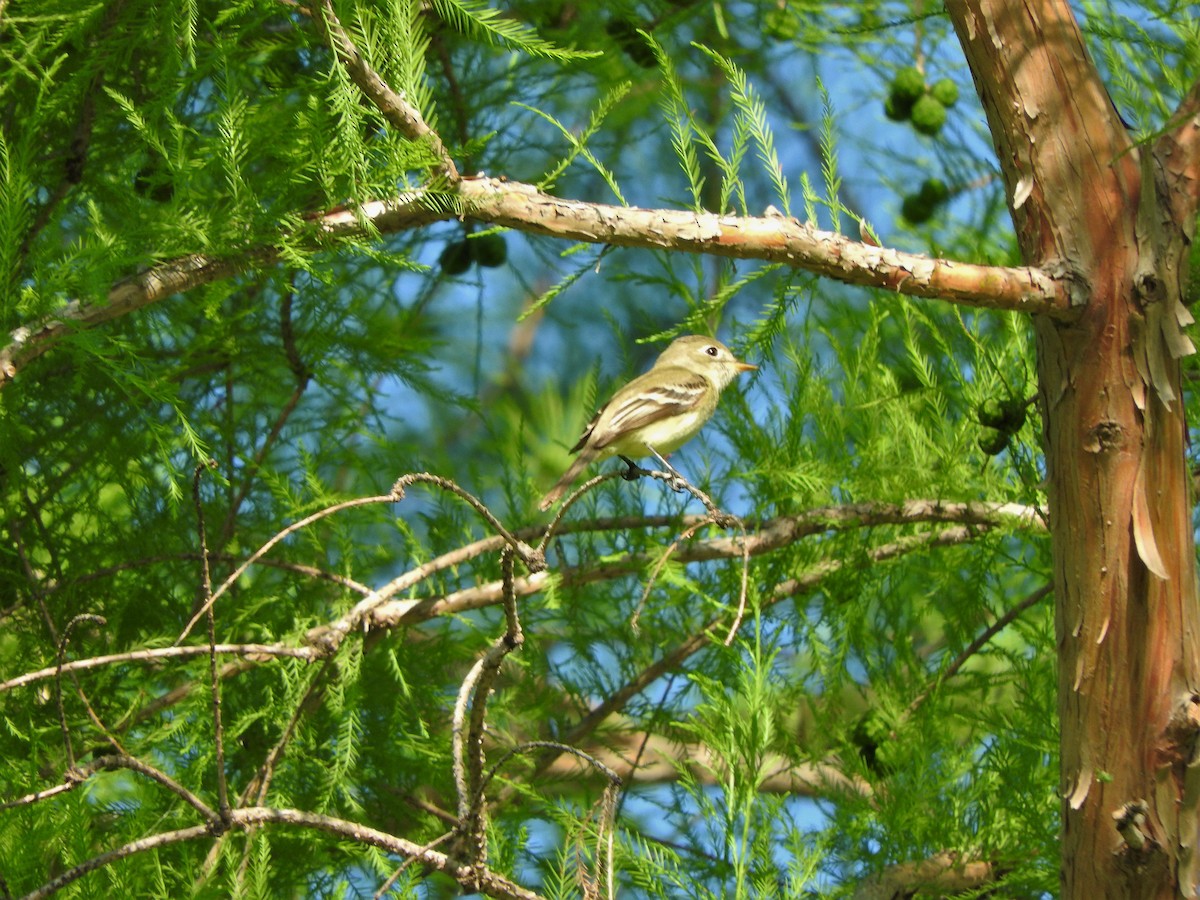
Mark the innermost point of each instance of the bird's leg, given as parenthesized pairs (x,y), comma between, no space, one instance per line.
(677,482)
(634,471)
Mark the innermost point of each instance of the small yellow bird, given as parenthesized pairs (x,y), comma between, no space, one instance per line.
(659,411)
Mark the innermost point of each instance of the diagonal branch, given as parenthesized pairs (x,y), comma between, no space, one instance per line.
(394,105)
(687,648)
(768,537)
(474,879)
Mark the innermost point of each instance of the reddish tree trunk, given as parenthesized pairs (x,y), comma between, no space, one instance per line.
(1113,221)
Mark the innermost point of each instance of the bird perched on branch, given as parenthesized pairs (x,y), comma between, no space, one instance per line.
(656,412)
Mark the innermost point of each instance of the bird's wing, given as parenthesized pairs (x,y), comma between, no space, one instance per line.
(637,405)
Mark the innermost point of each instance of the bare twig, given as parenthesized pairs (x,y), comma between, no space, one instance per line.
(215,681)
(329,637)
(743,591)
(391,879)
(35,581)
(77,150)
(255,792)
(155,654)
(531,557)
(113,762)
(394,105)
(303,377)
(652,575)
(572,498)
(477,879)
(975,646)
(266,548)
(468,726)
(725,521)
(58,691)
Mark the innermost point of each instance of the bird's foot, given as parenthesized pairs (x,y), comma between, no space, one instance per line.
(677,483)
(634,472)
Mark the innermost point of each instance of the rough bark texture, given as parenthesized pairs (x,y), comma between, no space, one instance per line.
(1112,220)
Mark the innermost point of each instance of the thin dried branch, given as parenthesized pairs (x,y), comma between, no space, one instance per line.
(391,879)
(789,588)
(260,652)
(113,762)
(134,847)
(63,668)
(532,557)
(58,672)
(266,548)
(473,878)
(303,375)
(76,154)
(525,208)
(214,679)
(255,793)
(329,637)
(672,479)
(394,105)
(980,641)
(468,724)
(652,576)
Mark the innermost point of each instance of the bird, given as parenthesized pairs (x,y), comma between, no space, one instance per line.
(657,412)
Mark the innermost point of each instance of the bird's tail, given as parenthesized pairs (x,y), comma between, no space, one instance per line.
(565,482)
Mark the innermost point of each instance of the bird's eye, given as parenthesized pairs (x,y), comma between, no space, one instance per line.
(711,351)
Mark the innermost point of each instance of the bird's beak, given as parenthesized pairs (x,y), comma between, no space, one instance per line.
(745,367)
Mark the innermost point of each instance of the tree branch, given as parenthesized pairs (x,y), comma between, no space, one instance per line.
(765,537)
(769,536)
(661,760)
(262,651)
(775,239)
(789,588)
(394,106)
(940,875)
(522,206)
(473,878)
